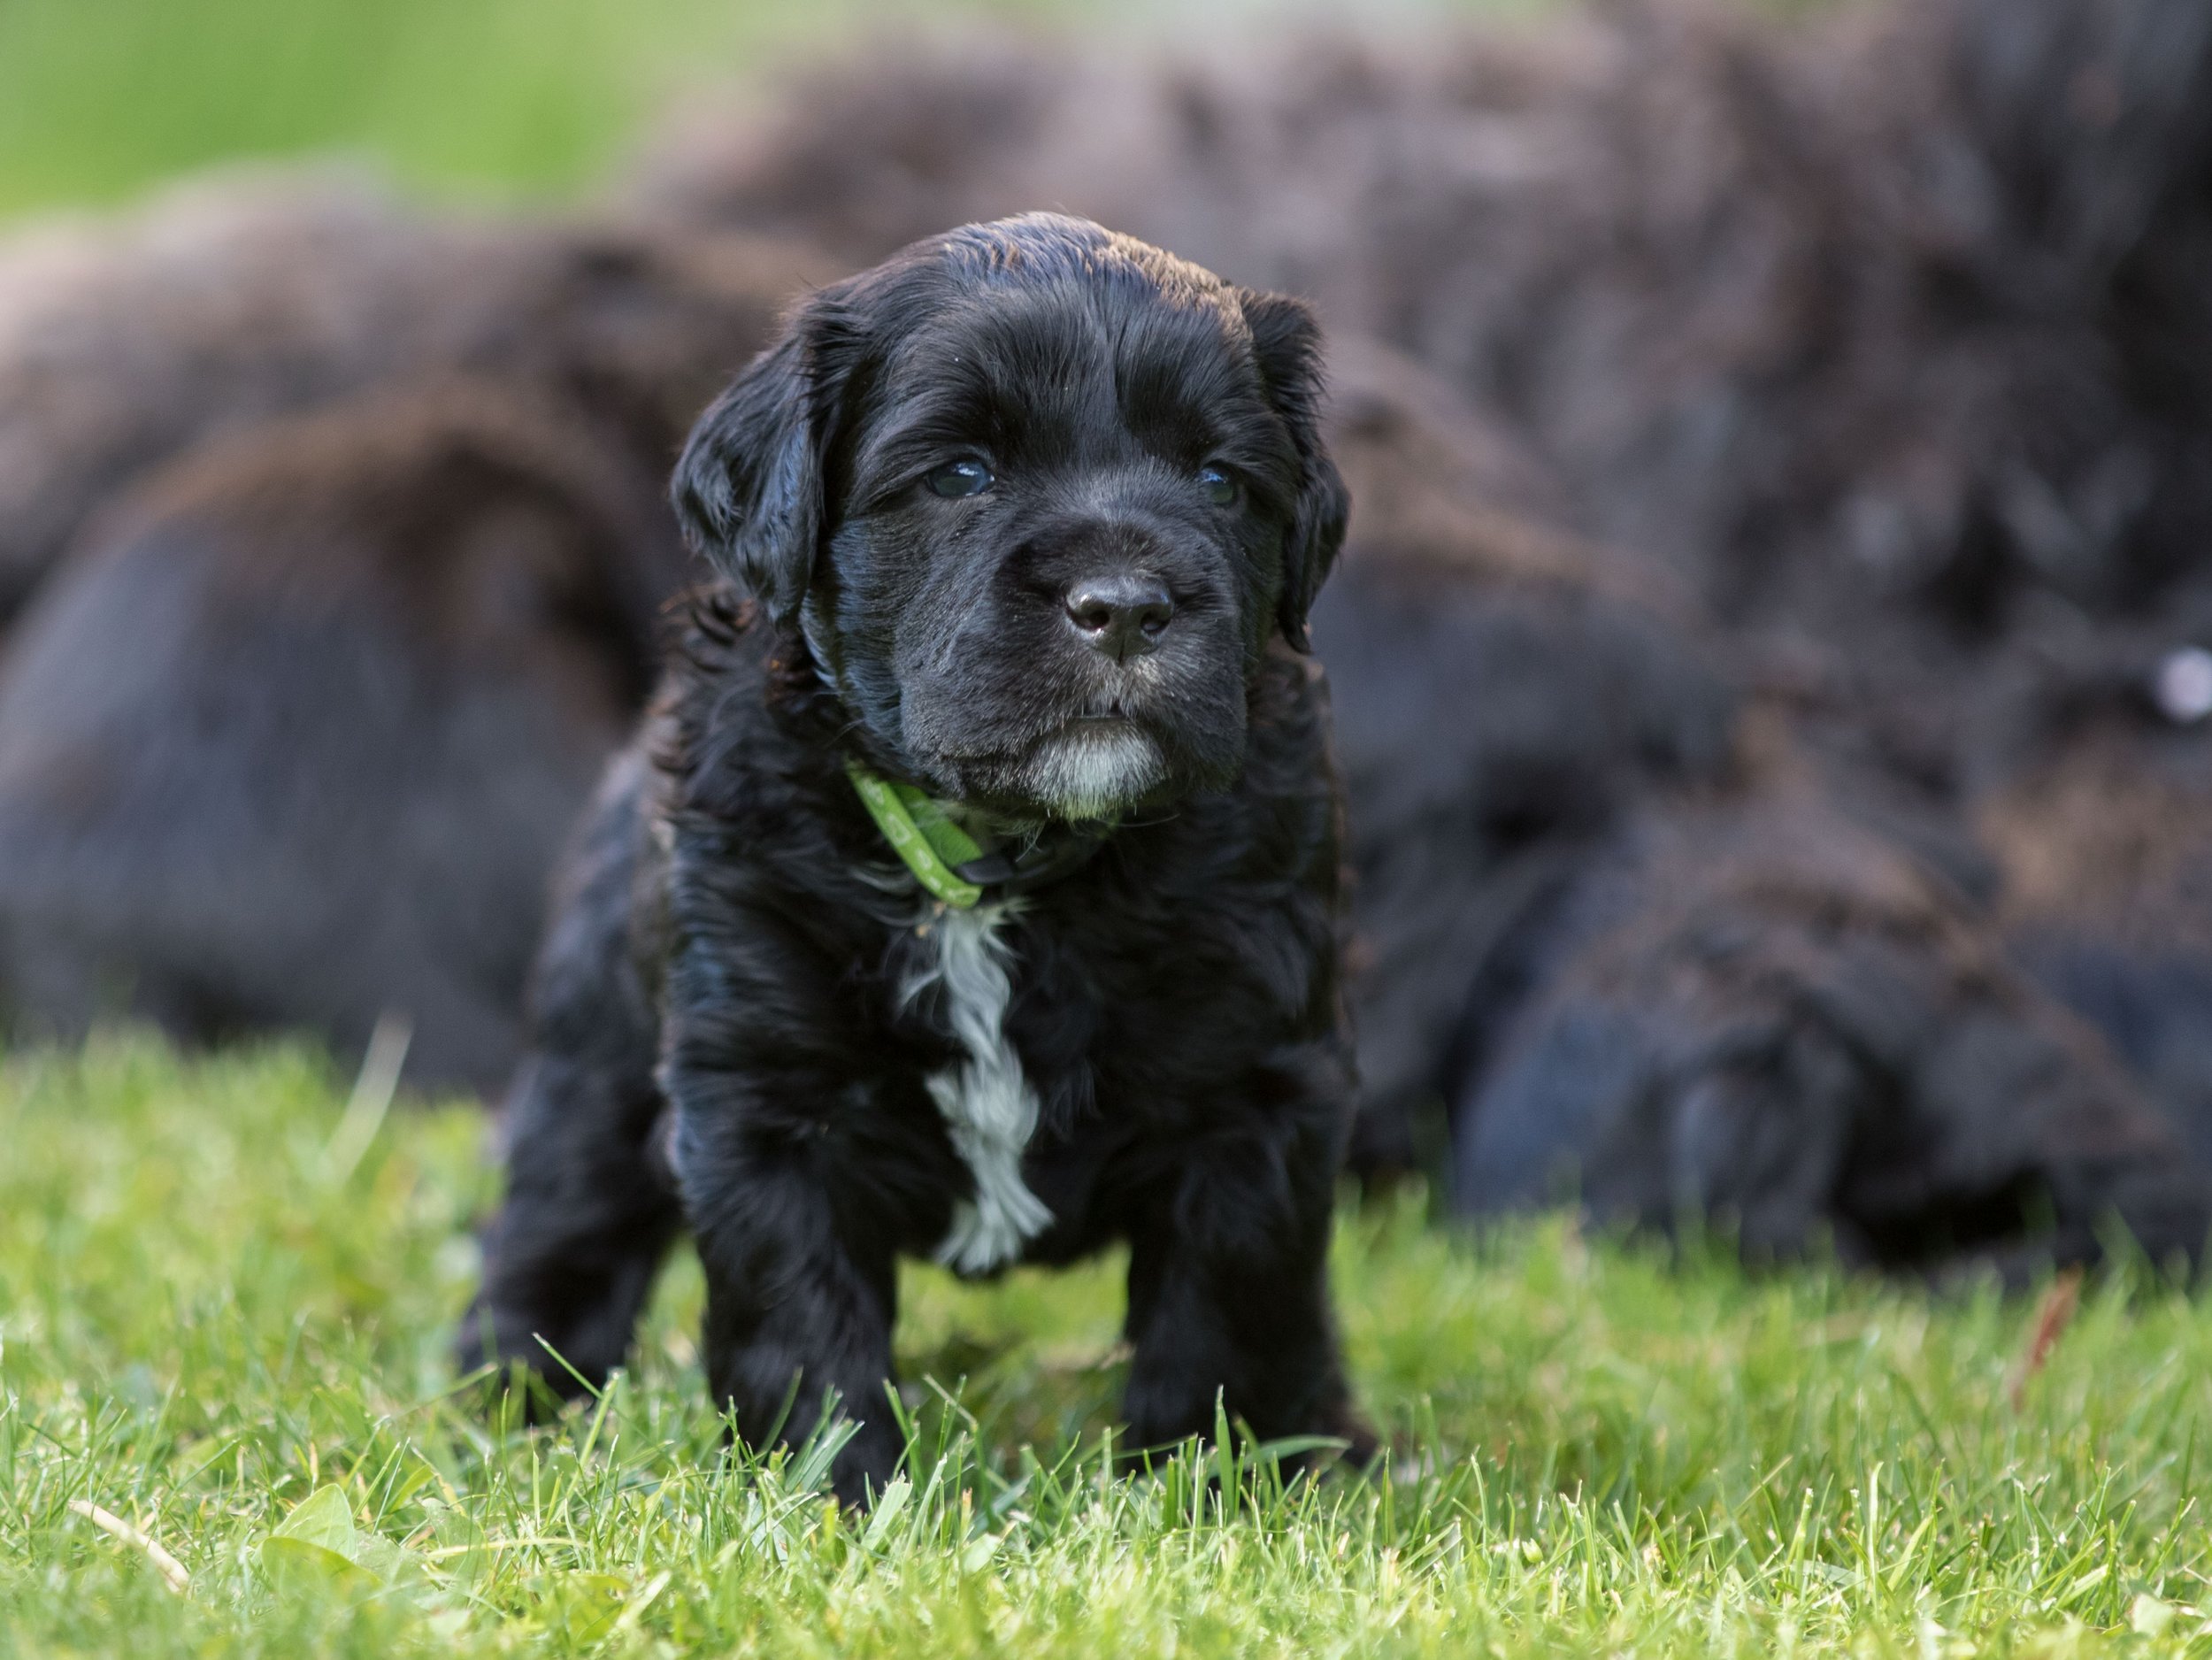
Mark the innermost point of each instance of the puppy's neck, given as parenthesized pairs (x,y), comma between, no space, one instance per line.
(1022,836)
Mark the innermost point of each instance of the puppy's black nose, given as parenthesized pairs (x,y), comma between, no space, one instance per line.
(1123,614)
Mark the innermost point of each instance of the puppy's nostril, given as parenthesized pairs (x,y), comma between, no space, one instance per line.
(1091,613)
(1123,614)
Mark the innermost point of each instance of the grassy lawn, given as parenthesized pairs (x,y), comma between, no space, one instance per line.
(223,1320)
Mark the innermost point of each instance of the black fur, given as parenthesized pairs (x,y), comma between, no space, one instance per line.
(1174,1000)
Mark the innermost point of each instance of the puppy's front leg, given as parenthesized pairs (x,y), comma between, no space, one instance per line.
(801,1295)
(1228,1294)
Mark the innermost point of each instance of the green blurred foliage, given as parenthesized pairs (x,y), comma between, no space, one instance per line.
(506,97)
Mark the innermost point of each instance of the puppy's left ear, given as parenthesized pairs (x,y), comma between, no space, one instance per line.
(1286,343)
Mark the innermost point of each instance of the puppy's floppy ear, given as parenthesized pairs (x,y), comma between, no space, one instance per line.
(1286,343)
(747,487)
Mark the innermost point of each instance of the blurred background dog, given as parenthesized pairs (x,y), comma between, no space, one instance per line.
(1770,658)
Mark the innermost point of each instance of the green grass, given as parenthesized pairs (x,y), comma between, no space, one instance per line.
(214,1332)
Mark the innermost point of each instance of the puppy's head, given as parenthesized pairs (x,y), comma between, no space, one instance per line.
(1036,495)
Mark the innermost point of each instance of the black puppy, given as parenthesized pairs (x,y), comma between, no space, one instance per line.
(973,891)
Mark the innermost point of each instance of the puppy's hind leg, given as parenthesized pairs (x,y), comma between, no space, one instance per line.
(590,1209)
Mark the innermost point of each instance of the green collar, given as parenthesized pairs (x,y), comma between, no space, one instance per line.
(958,865)
(920,834)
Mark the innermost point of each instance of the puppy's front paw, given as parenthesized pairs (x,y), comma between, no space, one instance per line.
(866,1465)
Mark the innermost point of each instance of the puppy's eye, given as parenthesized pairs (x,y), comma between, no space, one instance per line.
(1219,487)
(959,478)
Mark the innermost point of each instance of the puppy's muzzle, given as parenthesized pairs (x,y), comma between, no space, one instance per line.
(1122,614)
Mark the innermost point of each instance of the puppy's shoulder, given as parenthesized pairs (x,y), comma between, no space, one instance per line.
(1288,754)
(718,640)
(753,807)
(738,703)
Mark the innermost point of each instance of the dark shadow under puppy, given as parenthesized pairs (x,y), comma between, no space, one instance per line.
(974,894)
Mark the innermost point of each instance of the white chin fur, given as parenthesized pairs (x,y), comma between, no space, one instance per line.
(1092,774)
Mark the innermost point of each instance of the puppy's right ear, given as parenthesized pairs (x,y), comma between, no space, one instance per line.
(747,489)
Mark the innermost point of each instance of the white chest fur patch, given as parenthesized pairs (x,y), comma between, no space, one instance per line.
(988,1103)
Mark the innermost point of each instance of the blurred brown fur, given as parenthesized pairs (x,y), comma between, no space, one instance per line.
(1644,949)
(2100,828)
(353,546)
(297,738)
(233,301)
